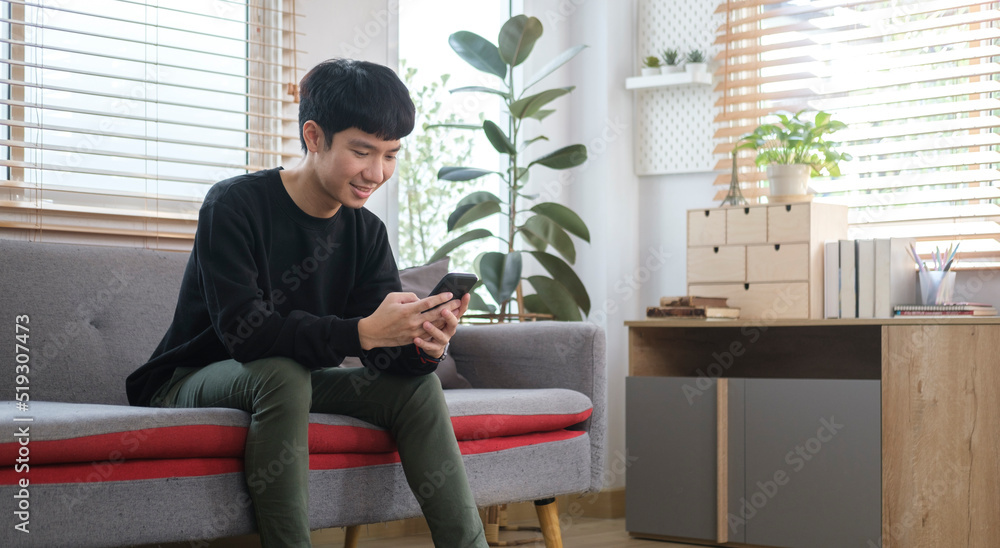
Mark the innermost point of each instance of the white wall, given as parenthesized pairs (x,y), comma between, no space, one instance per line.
(604,191)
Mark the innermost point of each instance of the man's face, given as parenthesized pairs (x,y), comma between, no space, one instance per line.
(355,166)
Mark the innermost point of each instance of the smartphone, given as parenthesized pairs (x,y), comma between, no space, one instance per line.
(457,283)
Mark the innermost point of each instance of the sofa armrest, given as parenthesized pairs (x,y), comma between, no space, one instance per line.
(541,355)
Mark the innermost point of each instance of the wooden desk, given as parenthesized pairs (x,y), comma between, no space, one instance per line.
(940,406)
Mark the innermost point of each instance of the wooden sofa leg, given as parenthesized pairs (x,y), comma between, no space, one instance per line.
(351,536)
(492,525)
(548,518)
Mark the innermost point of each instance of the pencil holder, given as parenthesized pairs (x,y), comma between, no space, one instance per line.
(936,286)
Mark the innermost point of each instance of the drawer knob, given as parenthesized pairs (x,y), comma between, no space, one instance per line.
(715,249)
(707,213)
(746,287)
(777,247)
(746,210)
(788,207)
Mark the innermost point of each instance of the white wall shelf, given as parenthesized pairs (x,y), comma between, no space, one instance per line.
(670,79)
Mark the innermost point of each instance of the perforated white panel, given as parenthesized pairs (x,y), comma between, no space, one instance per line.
(674,124)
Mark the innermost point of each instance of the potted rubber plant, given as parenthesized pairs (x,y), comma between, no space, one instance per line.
(540,227)
(795,149)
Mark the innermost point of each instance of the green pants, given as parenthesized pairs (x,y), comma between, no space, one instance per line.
(279,393)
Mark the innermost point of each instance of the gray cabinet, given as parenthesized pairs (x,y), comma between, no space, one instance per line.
(670,430)
(812,463)
(801,460)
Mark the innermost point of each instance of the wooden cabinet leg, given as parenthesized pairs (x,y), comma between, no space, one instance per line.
(548,518)
(351,536)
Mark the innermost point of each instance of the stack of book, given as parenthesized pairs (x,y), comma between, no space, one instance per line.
(867,278)
(950,309)
(692,307)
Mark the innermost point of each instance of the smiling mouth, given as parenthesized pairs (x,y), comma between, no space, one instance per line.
(363,189)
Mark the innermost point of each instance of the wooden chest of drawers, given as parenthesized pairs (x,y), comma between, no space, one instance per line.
(767,259)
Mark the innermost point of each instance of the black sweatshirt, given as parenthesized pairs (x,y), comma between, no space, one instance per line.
(266,279)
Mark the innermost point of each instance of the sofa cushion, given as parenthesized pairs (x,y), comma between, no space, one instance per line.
(83,433)
(141,469)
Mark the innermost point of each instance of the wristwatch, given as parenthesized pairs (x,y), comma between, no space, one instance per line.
(425,357)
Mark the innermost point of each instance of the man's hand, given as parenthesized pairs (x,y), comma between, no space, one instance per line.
(398,320)
(439,337)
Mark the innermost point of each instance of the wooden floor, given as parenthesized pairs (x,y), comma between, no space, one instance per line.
(581,533)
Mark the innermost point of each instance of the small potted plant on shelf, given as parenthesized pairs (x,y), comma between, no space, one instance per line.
(695,62)
(793,150)
(651,66)
(671,61)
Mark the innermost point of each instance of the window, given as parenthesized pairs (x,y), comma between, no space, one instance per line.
(118,115)
(425,56)
(918,86)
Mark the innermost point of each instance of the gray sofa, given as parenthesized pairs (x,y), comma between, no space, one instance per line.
(102,473)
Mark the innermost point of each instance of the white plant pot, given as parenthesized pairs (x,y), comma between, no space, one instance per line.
(696,67)
(788,181)
(647,71)
(672,69)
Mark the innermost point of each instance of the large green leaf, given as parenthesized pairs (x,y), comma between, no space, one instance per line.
(555,63)
(534,303)
(475,266)
(533,240)
(564,217)
(482,89)
(501,272)
(498,138)
(546,229)
(470,213)
(454,173)
(469,236)
(529,105)
(476,302)
(479,197)
(478,52)
(564,274)
(517,37)
(564,158)
(556,298)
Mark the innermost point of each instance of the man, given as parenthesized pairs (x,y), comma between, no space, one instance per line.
(288,275)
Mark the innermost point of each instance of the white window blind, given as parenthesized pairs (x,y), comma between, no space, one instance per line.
(116,116)
(917,84)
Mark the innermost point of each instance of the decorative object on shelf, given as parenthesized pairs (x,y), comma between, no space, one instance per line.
(767,259)
(735,196)
(671,61)
(651,66)
(791,149)
(695,62)
(937,281)
(545,224)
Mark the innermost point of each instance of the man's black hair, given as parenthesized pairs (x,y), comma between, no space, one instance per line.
(339,94)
